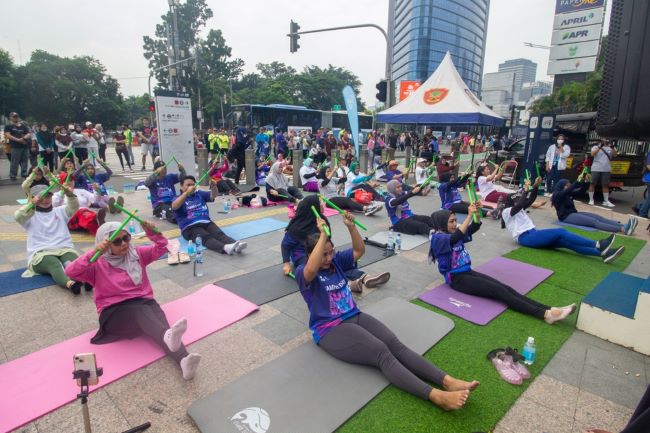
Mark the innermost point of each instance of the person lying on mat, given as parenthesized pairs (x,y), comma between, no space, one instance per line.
(448,249)
(300,227)
(346,333)
(277,185)
(486,187)
(193,217)
(83,218)
(308,176)
(49,244)
(519,224)
(162,189)
(451,199)
(124,296)
(328,187)
(400,214)
(357,180)
(562,200)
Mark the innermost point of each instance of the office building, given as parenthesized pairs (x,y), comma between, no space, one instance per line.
(525,71)
(422,31)
(535,90)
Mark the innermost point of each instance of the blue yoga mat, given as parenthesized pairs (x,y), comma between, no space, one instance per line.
(587,229)
(21,200)
(11,282)
(617,293)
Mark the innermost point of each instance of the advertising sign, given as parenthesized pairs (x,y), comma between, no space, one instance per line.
(350,99)
(564,6)
(572,51)
(570,66)
(576,34)
(578,19)
(540,134)
(174,119)
(406,88)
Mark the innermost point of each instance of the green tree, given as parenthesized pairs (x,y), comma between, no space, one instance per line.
(7,82)
(322,88)
(136,108)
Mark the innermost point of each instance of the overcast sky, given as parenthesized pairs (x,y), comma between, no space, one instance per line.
(256,30)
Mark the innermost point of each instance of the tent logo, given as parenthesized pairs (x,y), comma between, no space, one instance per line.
(433,96)
(252,420)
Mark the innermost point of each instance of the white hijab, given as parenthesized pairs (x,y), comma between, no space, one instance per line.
(130,262)
(276,179)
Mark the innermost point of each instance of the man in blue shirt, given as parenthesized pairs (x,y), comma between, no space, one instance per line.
(263,147)
(162,189)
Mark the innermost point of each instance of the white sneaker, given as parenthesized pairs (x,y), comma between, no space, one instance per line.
(591,203)
(608,203)
(548,194)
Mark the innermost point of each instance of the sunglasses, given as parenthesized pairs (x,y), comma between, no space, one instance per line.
(118,241)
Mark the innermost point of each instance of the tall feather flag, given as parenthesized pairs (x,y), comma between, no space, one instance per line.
(353,116)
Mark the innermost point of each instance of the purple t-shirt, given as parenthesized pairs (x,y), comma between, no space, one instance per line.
(328,296)
(163,189)
(194,210)
(392,210)
(451,259)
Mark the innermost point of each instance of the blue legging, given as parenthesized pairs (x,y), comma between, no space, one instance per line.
(558,238)
(589,219)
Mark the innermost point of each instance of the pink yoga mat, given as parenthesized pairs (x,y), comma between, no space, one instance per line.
(41,382)
(520,276)
(330,212)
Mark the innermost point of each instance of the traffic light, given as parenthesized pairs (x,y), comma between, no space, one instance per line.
(382,87)
(293,37)
(152,105)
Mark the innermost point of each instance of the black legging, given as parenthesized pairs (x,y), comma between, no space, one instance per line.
(365,187)
(640,420)
(362,339)
(292,192)
(478,284)
(346,203)
(414,225)
(131,320)
(124,152)
(48,159)
(169,212)
(212,236)
(224,186)
(461,207)
(240,166)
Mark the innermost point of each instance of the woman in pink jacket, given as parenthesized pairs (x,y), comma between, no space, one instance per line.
(124,296)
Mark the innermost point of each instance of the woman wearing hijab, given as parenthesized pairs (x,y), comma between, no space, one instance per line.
(49,244)
(448,249)
(124,296)
(278,188)
(350,335)
(46,145)
(308,176)
(400,214)
(301,226)
(519,224)
(328,187)
(562,200)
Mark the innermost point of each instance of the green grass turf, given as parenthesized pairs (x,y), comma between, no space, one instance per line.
(462,353)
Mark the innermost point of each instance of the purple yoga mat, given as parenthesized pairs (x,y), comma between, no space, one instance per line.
(520,276)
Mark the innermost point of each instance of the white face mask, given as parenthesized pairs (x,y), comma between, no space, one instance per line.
(560,142)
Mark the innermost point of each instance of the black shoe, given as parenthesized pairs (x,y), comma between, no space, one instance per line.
(111,205)
(88,287)
(604,244)
(613,254)
(76,287)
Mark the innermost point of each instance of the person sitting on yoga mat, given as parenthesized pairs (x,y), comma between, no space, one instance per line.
(451,199)
(308,176)
(193,217)
(346,333)
(218,181)
(448,249)
(83,218)
(300,227)
(49,244)
(393,173)
(400,214)
(357,180)
(328,187)
(162,189)
(486,188)
(277,185)
(562,201)
(519,224)
(124,296)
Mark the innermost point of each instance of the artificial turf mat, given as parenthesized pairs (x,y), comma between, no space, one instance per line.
(462,353)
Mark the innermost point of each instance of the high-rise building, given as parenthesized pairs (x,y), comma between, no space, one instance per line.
(422,31)
(525,72)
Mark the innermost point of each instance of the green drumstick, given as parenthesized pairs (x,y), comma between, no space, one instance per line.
(326,229)
(341,211)
(537,169)
(43,194)
(112,237)
(471,192)
(133,215)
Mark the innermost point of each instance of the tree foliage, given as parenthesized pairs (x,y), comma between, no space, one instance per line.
(7,81)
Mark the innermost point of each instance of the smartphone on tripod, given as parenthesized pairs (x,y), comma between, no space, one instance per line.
(86,362)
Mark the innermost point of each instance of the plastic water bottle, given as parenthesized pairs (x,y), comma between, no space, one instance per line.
(131,228)
(198,258)
(227,206)
(191,251)
(390,244)
(163,214)
(111,191)
(398,243)
(529,351)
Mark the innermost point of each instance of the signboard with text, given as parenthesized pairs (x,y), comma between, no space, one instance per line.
(571,66)
(572,51)
(578,19)
(576,34)
(174,117)
(564,6)
(406,88)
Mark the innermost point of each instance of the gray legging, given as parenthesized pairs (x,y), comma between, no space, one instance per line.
(589,219)
(362,339)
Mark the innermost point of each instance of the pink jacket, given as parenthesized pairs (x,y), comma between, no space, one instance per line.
(112,285)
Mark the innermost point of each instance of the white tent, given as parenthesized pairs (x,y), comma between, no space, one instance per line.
(443,99)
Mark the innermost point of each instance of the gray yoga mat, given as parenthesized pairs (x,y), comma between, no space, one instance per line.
(408,241)
(268,284)
(306,389)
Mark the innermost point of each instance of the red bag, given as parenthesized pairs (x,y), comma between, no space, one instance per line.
(362,196)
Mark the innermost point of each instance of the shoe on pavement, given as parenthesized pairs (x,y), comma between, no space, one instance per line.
(608,203)
(631,225)
(613,254)
(372,281)
(373,209)
(591,203)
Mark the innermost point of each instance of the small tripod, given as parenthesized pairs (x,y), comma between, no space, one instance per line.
(83,375)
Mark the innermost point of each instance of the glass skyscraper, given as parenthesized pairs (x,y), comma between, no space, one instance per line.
(422,31)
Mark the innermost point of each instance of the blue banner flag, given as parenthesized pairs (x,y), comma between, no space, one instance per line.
(353,116)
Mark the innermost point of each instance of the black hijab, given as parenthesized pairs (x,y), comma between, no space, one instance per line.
(440,219)
(304,222)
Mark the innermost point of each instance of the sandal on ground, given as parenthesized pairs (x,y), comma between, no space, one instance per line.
(504,366)
(517,360)
(173,259)
(184,258)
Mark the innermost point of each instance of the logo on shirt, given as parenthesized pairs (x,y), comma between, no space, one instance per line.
(251,420)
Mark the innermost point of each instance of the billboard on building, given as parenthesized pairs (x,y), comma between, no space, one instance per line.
(573,51)
(578,19)
(571,66)
(406,88)
(564,6)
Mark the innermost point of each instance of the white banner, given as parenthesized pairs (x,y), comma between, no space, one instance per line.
(174,114)
(571,66)
(576,34)
(572,51)
(579,19)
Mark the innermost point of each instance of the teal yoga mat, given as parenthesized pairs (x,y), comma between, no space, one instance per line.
(11,282)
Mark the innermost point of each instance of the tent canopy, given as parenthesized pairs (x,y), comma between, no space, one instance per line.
(443,99)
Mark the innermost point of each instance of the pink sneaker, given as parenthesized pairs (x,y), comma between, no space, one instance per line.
(514,357)
(504,366)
